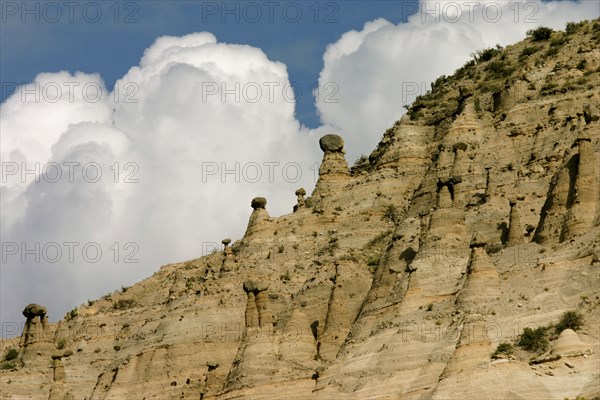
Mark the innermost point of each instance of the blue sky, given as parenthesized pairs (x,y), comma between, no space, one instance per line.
(117,40)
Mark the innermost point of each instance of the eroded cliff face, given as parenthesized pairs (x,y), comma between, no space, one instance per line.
(477,215)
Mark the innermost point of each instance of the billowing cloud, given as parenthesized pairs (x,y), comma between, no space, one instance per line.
(385,65)
(155,171)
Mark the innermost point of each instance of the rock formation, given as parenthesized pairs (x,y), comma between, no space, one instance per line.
(35,310)
(583,213)
(333,171)
(301,202)
(399,279)
(36,325)
(259,213)
(515,229)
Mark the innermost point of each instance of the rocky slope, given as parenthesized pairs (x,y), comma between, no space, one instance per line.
(477,215)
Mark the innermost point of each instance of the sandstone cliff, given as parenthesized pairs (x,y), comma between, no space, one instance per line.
(477,215)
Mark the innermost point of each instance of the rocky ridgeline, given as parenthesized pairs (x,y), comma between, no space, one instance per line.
(410,275)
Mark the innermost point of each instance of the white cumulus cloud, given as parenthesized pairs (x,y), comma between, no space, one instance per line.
(183,143)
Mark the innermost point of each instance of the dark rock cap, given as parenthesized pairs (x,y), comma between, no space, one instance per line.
(251,286)
(301,192)
(331,143)
(226,241)
(34,310)
(259,202)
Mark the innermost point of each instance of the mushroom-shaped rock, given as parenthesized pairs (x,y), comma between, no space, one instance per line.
(331,144)
(259,202)
(226,242)
(34,310)
(251,286)
(459,146)
(300,193)
(212,365)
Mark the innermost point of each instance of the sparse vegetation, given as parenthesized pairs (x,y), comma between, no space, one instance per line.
(373,261)
(548,88)
(11,354)
(533,340)
(72,314)
(528,51)
(362,159)
(558,42)
(500,68)
(486,54)
(281,248)
(573,27)
(438,83)
(123,304)
(7,365)
(391,214)
(503,349)
(61,344)
(569,320)
(429,307)
(539,34)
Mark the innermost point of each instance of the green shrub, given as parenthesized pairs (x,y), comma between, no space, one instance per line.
(123,304)
(373,261)
(438,83)
(72,314)
(527,51)
(429,307)
(548,88)
(533,340)
(486,54)
(7,365)
(569,320)
(62,343)
(572,27)
(11,354)
(558,41)
(361,160)
(552,51)
(503,349)
(391,214)
(500,68)
(541,33)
